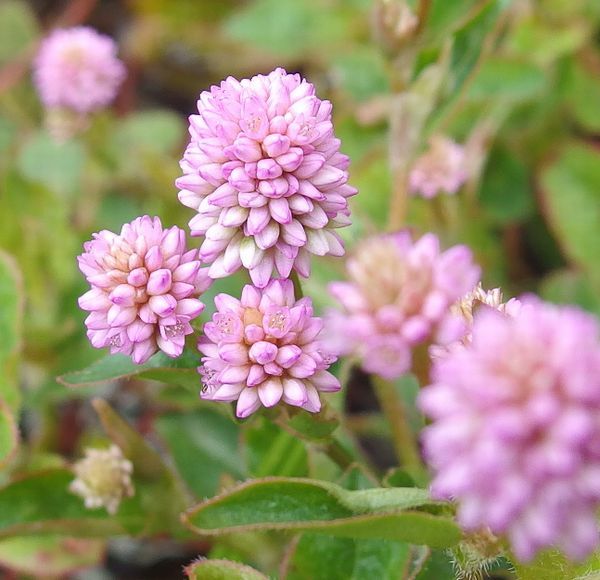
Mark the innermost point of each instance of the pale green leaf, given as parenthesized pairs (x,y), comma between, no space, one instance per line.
(58,166)
(320,507)
(118,366)
(211,439)
(50,556)
(18,29)
(204,569)
(571,194)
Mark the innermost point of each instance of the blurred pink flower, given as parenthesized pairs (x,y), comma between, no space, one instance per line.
(144,287)
(77,69)
(263,349)
(398,294)
(515,438)
(264,172)
(441,168)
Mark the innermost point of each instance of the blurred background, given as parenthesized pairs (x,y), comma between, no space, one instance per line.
(517,82)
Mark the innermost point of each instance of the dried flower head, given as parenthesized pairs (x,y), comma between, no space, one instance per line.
(398,295)
(103,478)
(394,23)
(516,428)
(144,289)
(441,168)
(264,172)
(77,69)
(455,330)
(265,348)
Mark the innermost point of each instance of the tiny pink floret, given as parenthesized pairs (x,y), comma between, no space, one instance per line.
(77,69)
(264,349)
(515,437)
(144,288)
(264,172)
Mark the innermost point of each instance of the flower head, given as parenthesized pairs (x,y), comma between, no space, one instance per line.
(398,294)
(265,348)
(515,438)
(144,287)
(77,69)
(441,168)
(455,331)
(103,478)
(264,172)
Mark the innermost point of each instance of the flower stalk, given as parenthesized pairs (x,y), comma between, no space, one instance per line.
(404,440)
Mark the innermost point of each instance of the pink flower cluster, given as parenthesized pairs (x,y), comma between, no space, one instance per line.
(265,348)
(399,293)
(78,69)
(441,168)
(143,289)
(515,438)
(264,172)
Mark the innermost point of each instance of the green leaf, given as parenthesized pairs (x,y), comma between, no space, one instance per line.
(313,427)
(582,96)
(362,72)
(18,29)
(50,556)
(11,312)
(211,439)
(42,503)
(437,567)
(8,131)
(549,565)
(154,132)
(500,78)
(147,462)
(357,477)
(466,53)
(10,323)
(117,366)
(59,166)
(221,570)
(571,194)
(445,17)
(554,565)
(543,41)
(470,38)
(273,451)
(289,28)
(397,477)
(321,557)
(154,481)
(373,177)
(321,507)
(570,287)
(506,193)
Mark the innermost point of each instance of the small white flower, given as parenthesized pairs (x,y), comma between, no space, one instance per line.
(103,478)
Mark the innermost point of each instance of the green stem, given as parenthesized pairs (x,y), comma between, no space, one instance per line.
(297,285)
(423,14)
(338,454)
(403,438)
